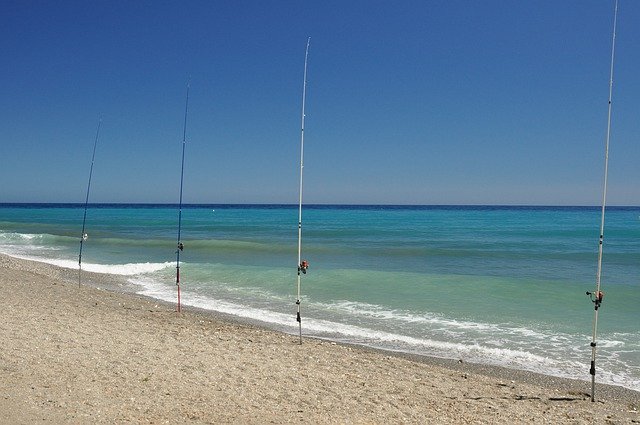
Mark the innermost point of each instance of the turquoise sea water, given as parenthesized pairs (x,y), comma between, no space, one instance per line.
(496,285)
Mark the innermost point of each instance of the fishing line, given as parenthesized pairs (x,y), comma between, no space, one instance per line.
(180,246)
(302,264)
(597,295)
(84,235)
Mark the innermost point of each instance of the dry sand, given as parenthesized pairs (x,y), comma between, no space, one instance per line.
(89,355)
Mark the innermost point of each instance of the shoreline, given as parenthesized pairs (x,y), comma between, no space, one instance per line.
(121,284)
(101,354)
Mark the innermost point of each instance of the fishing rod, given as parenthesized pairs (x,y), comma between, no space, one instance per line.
(180,244)
(303,265)
(86,204)
(598,295)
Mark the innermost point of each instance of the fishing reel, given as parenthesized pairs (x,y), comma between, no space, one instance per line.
(596,297)
(85,237)
(304,265)
(180,246)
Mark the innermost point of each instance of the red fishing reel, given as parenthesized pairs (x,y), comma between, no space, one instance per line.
(304,265)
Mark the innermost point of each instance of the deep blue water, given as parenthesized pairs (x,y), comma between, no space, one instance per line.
(489,284)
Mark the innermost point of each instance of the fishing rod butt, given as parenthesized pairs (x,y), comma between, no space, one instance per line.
(299,320)
(178,307)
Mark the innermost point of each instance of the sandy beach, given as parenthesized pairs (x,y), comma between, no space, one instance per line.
(88,354)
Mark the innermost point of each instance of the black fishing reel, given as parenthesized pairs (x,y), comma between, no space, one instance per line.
(596,298)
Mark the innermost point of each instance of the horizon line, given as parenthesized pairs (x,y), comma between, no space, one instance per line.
(320,204)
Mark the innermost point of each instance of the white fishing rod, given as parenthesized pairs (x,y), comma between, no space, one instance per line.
(597,295)
(180,246)
(86,204)
(302,264)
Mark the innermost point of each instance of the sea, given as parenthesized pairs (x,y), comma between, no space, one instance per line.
(496,285)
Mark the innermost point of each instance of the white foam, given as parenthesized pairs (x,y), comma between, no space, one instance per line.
(431,319)
(129,269)
(610,343)
(12,236)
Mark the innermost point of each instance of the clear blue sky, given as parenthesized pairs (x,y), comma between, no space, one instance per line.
(410,102)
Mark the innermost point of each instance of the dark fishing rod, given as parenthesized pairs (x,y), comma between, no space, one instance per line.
(180,244)
(86,204)
(302,264)
(597,295)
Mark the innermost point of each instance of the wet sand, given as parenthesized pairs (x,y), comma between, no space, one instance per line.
(87,354)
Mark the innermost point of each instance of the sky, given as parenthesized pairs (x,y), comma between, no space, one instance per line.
(408,102)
